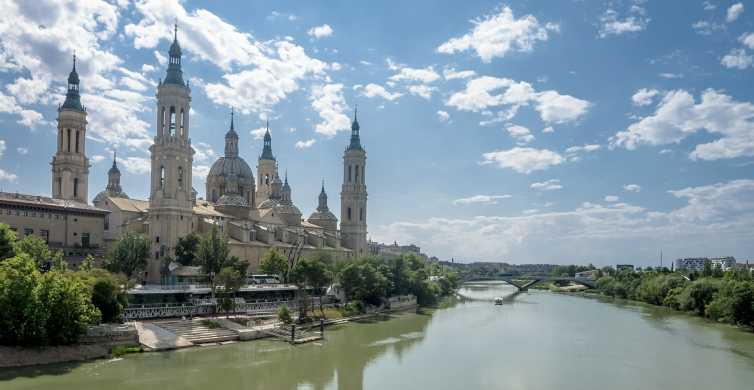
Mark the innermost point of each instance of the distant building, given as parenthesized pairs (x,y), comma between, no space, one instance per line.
(621,267)
(697,263)
(394,250)
(591,274)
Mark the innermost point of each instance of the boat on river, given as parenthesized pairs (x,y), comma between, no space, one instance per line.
(499,300)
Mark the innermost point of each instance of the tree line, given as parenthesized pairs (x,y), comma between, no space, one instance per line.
(720,296)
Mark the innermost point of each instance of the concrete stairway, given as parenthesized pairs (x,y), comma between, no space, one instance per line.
(197,332)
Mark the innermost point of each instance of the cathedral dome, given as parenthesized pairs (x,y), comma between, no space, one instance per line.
(227,166)
(232,200)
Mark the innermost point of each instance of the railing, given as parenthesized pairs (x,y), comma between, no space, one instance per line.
(200,307)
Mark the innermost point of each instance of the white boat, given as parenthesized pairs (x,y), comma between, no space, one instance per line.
(499,301)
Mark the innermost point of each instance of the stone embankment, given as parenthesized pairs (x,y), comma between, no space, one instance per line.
(96,343)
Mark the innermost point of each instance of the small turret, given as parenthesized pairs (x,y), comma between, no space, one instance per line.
(267,150)
(175,74)
(355,138)
(72,96)
(231,139)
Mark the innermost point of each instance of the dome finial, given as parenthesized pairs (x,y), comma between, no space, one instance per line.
(74,60)
(175,30)
(115,158)
(231,118)
(355,111)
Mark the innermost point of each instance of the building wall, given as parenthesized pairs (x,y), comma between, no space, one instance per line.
(64,228)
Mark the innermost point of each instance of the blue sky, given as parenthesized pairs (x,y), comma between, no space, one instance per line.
(528,131)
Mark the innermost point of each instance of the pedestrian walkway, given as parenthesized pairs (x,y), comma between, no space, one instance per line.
(157,339)
(197,331)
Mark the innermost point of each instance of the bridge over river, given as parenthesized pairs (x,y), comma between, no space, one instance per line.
(522,283)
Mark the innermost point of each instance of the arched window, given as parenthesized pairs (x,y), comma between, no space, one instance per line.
(172,120)
(349,173)
(357,174)
(180,178)
(183,123)
(162,177)
(60,186)
(349,213)
(77,141)
(68,131)
(266,179)
(361,214)
(163,119)
(76,187)
(214,195)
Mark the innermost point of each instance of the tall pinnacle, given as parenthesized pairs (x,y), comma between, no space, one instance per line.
(231,139)
(72,96)
(174,74)
(355,138)
(267,150)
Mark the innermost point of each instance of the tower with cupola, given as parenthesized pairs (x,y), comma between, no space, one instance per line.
(353,195)
(266,169)
(70,166)
(170,199)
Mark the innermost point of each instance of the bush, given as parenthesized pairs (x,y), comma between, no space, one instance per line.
(284,315)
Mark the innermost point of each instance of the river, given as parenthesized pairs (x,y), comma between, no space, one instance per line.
(537,340)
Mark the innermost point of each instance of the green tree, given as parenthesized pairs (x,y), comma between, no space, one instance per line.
(284,315)
(129,255)
(67,302)
(212,254)
(363,282)
(315,274)
(88,263)
(35,247)
(7,239)
(273,263)
(697,295)
(21,320)
(58,262)
(232,281)
(185,249)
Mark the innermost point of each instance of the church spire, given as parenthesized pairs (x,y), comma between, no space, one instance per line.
(231,139)
(175,74)
(267,150)
(72,97)
(355,138)
(322,204)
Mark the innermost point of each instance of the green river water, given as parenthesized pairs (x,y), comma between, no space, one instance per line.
(537,340)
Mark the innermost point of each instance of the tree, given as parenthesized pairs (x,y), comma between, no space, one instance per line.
(67,302)
(58,262)
(363,282)
(129,255)
(312,273)
(107,290)
(88,263)
(284,315)
(7,238)
(21,321)
(185,249)
(273,263)
(232,281)
(35,247)
(212,254)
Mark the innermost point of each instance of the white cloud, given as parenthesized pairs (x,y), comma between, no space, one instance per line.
(734,11)
(258,133)
(443,116)
(319,32)
(496,35)
(715,218)
(644,96)
(375,90)
(452,74)
(305,144)
(611,198)
(737,58)
(200,171)
(482,93)
(704,27)
(748,40)
(7,176)
(678,116)
(611,22)
(708,6)
(668,75)
(521,134)
(548,185)
(422,75)
(136,165)
(22,150)
(2,147)
(421,91)
(632,187)
(204,152)
(330,104)
(97,158)
(548,129)
(480,199)
(523,160)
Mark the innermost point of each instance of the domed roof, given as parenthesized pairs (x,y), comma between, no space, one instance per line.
(290,209)
(322,216)
(232,200)
(229,166)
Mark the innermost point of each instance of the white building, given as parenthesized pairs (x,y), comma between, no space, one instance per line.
(697,263)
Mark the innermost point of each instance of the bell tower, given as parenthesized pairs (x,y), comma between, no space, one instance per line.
(353,195)
(170,200)
(70,166)
(266,169)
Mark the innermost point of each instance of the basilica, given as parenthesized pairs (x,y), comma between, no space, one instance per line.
(254,213)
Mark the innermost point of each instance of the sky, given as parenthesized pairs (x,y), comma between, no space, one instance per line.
(528,132)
